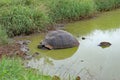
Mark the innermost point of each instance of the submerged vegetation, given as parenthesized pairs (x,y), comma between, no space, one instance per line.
(27,16)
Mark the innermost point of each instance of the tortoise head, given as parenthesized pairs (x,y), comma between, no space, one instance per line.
(41,45)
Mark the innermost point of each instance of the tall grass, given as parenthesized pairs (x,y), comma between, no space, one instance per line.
(105,5)
(3,36)
(28,16)
(61,10)
(22,19)
(11,69)
(7,3)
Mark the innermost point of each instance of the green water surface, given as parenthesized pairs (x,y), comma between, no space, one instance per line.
(89,61)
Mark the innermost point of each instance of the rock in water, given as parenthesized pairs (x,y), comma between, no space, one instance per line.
(55,77)
(58,39)
(105,44)
(78,78)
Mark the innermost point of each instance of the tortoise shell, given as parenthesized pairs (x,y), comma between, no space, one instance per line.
(59,39)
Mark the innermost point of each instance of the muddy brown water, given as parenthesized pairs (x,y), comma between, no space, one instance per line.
(89,61)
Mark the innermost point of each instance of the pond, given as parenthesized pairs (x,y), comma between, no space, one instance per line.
(89,61)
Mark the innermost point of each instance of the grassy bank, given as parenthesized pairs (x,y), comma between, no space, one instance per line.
(11,69)
(106,5)
(22,18)
(3,36)
(28,16)
(65,10)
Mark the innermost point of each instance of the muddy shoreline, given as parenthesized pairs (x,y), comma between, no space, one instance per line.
(17,48)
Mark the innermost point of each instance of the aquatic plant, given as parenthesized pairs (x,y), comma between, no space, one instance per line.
(12,69)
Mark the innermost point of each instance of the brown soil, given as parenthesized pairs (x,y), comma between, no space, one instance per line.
(11,50)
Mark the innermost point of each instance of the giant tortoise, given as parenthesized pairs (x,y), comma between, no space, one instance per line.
(58,39)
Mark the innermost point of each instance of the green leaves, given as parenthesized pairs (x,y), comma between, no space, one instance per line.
(70,9)
(22,20)
(3,36)
(11,69)
(105,5)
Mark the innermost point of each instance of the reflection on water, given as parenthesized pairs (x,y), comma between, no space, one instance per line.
(89,61)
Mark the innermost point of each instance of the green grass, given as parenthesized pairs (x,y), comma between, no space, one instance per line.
(27,16)
(61,10)
(23,19)
(105,5)
(11,69)
(3,36)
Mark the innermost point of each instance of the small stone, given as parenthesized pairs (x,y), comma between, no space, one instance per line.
(78,78)
(26,42)
(55,77)
(36,54)
(28,57)
(83,38)
(82,60)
